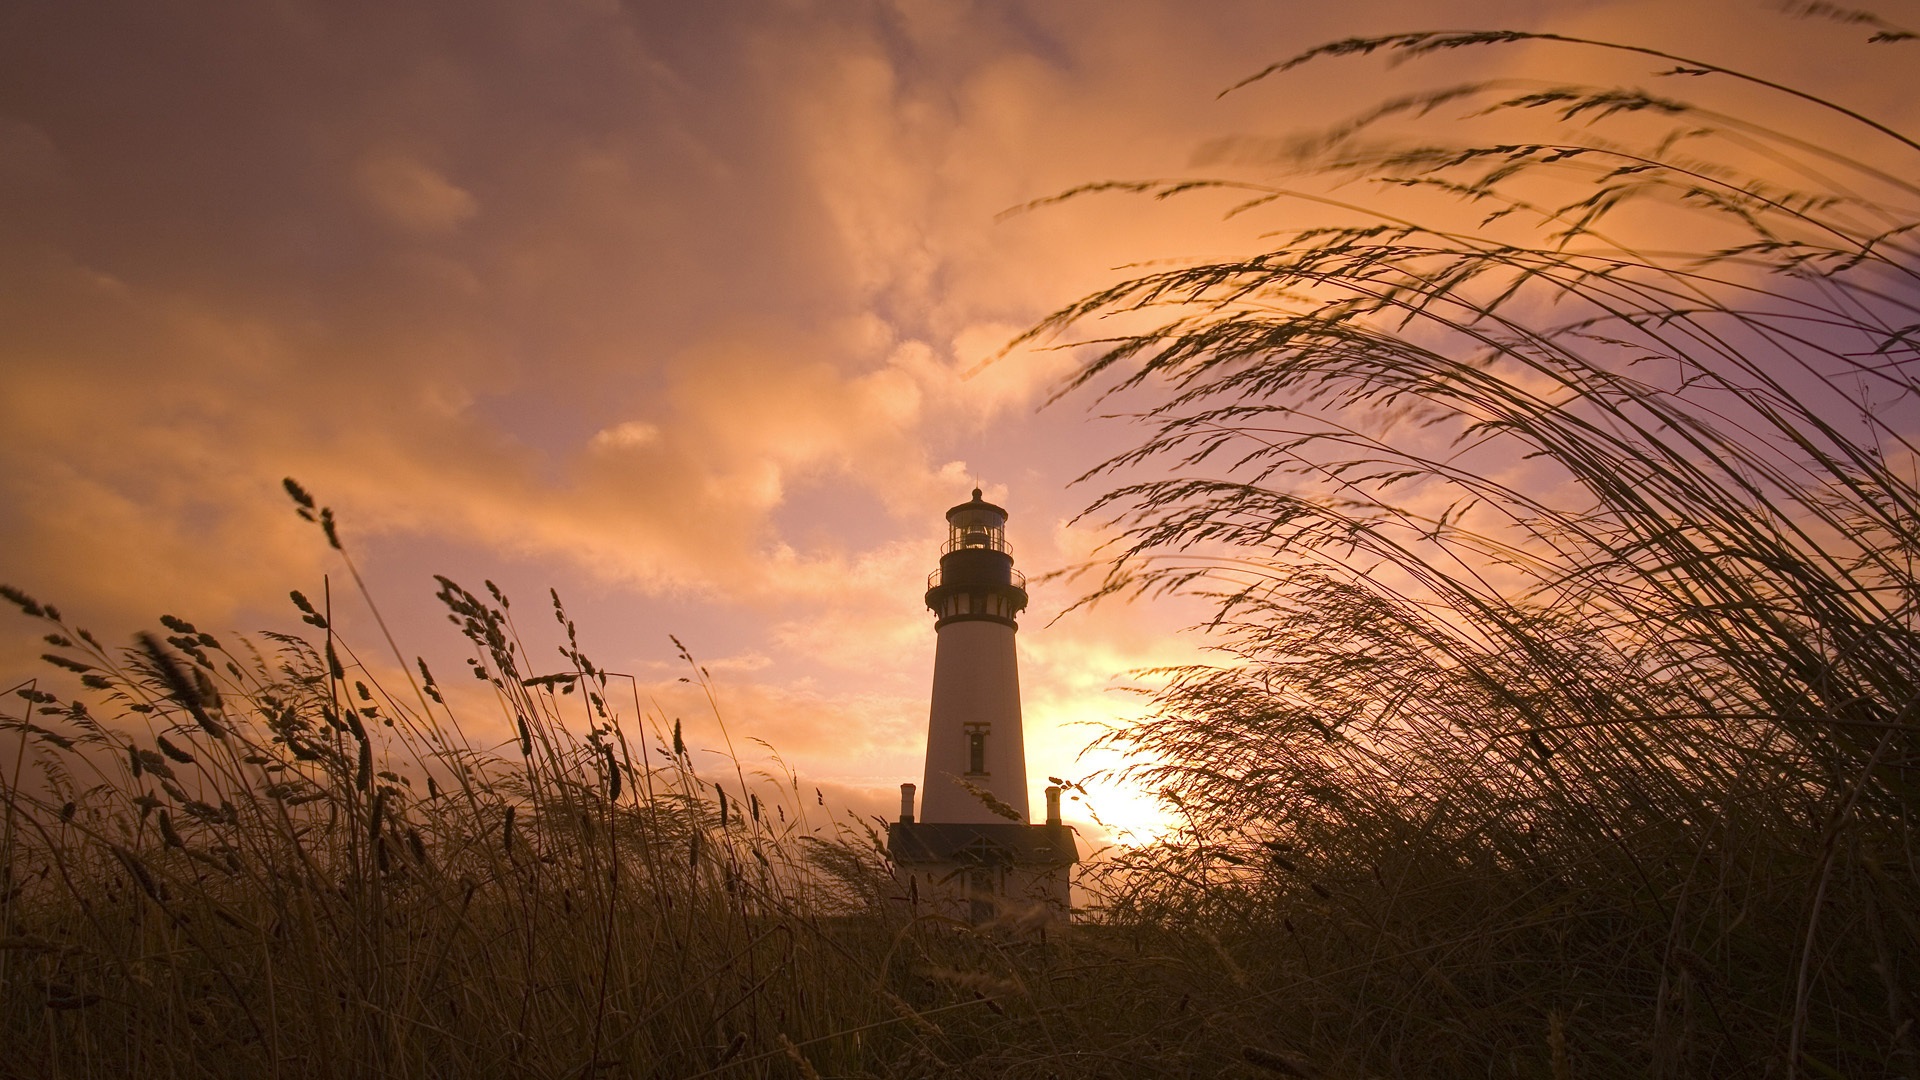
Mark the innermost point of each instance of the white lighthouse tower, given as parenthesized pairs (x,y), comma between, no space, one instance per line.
(974,740)
(972,847)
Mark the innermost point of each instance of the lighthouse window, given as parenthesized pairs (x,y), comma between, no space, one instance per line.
(976,752)
(978,536)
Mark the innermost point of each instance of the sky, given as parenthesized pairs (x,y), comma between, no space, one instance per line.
(692,312)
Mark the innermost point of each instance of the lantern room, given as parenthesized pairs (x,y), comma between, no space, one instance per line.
(976,578)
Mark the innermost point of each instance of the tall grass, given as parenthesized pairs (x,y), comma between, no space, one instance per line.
(275,864)
(1562,517)
(280,862)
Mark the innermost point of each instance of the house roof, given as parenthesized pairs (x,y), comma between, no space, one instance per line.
(995,843)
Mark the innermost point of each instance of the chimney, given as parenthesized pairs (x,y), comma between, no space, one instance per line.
(906,803)
(1053,804)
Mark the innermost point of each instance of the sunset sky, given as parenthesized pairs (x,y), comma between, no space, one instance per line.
(681,309)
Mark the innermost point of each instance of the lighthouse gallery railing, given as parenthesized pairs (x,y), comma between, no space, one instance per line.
(1019,579)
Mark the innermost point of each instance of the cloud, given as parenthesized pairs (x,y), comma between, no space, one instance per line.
(408,193)
(625,435)
(608,312)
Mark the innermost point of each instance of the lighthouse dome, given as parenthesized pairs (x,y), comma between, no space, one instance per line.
(977,511)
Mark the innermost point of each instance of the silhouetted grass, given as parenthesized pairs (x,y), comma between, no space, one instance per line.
(1562,526)
(224,862)
(238,863)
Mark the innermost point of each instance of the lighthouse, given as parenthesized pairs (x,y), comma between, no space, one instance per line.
(971,849)
(975,744)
